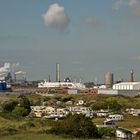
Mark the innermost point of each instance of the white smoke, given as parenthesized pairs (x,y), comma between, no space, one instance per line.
(20,72)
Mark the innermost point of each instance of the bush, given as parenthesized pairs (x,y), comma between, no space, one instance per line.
(8,106)
(76,126)
(106,132)
(7,131)
(27,125)
(20,111)
(24,102)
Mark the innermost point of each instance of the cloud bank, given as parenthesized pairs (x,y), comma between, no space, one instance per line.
(55,17)
(119,3)
(92,21)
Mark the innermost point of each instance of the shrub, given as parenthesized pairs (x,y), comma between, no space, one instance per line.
(7,131)
(109,132)
(8,106)
(76,126)
(27,125)
(24,102)
(20,111)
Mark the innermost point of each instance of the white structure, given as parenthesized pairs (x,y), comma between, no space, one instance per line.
(134,112)
(81,110)
(70,85)
(48,112)
(115,117)
(124,133)
(4,70)
(127,86)
(107,92)
(102,113)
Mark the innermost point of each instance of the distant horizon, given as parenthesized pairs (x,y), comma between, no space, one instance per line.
(18,69)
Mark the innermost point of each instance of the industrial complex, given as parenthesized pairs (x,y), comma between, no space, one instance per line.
(10,78)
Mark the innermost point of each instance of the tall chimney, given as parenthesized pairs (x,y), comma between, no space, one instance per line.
(49,78)
(132,76)
(57,72)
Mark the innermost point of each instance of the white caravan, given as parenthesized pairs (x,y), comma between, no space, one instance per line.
(115,117)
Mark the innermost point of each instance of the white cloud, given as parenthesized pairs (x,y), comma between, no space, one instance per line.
(77,62)
(117,5)
(136,10)
(120,3)
(132,2)
(55,17)
(136,57)
(91,20)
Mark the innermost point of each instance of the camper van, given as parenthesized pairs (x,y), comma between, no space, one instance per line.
(115,117)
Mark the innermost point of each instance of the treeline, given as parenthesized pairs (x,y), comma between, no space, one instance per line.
(20,105)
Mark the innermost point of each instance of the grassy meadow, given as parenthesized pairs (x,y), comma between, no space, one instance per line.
(25,128)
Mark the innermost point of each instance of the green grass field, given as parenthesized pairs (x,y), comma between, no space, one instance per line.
(35,129)
(36,137)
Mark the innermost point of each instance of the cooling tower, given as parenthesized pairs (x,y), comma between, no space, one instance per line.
(109,80)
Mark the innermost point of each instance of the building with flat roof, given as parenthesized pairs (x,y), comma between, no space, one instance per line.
(127,86)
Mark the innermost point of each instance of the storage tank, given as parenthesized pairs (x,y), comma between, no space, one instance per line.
(3,85)
(109,80)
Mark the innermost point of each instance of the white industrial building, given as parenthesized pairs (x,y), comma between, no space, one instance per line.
(70,85)
(127,86)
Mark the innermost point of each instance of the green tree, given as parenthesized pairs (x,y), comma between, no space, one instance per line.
(114,105)
(98,106)
(24,101)
(76,126)
(24,104)
(8,106)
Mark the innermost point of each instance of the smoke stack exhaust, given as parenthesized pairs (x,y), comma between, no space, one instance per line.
(57,72)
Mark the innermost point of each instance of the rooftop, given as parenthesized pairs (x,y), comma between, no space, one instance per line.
(128,83)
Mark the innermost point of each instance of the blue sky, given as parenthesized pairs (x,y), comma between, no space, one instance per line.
(87,37)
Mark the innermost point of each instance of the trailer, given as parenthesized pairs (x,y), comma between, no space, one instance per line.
(115,117)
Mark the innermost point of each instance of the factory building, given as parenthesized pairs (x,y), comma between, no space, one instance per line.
(113,92)
(109,80)
(127,86)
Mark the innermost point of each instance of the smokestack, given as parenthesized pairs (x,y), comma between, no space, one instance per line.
(49,78)
(57,72)
(132,76)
